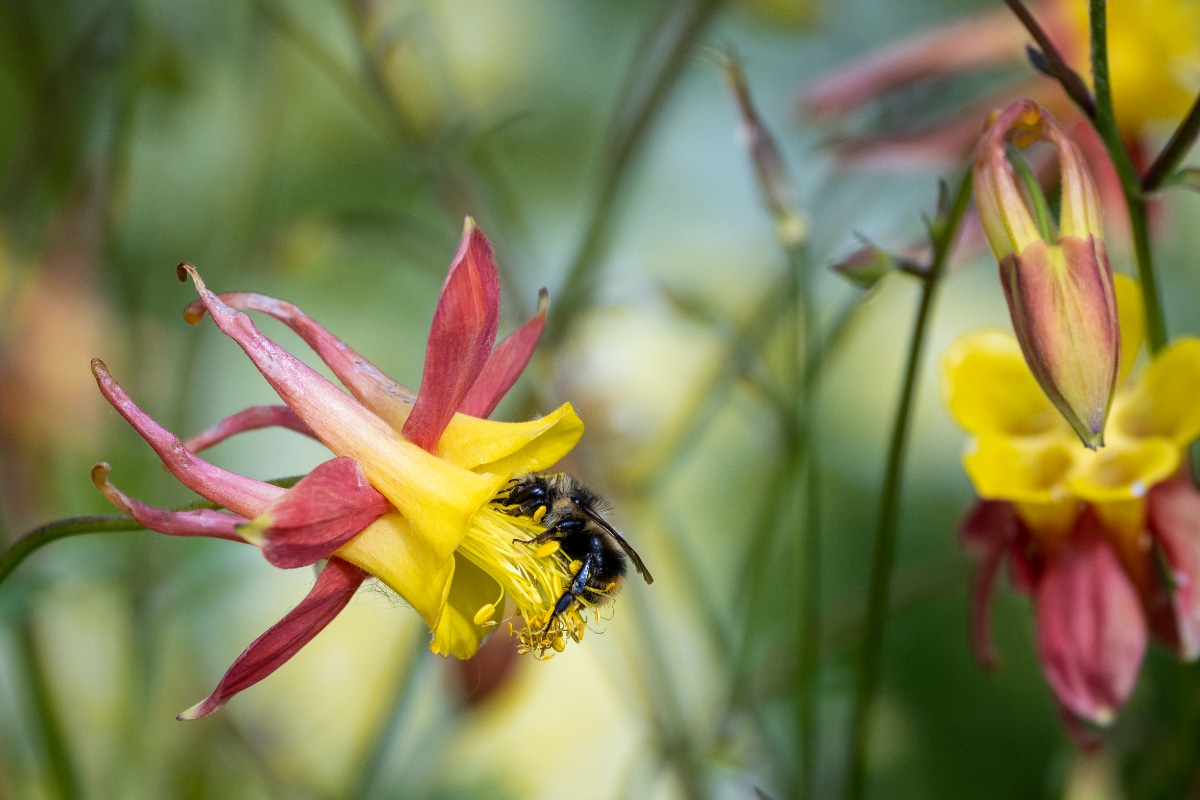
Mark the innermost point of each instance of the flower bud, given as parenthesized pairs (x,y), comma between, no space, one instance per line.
(1059,287)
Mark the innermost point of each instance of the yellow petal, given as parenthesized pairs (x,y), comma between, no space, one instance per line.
(388,550)
(1050,523)
(1163,402)
(989,389)
(1123,471)
(1133,320)
(1022,470)
(509,447)
(457,633)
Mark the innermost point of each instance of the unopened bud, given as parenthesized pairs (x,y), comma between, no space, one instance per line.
(1059,287)
(776,186)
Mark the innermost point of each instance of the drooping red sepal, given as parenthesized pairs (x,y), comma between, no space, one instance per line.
(325,509)
(1174,604)
(335,586)
(987,532)
(506,363)
(460,338)
(1090,630)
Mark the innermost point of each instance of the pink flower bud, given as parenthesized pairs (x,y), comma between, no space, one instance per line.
(1059,286)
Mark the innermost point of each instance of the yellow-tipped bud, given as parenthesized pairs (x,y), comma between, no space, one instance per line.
(1059,286)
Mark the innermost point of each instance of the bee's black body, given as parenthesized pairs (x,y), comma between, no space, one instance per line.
(574,518)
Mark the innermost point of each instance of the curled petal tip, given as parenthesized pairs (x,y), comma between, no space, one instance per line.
(184,269)
(100,473)
(99,367)
(543,300)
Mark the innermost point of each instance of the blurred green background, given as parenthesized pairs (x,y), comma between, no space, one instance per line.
(326,153)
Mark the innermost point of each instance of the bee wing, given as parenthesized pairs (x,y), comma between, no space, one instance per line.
(637,560)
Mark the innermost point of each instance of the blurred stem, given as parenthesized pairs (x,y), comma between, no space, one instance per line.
(62,769)
(676,737)
(370,777)
(1131,187)
(806,351)
(942,234)
(1173,153)
(674,32)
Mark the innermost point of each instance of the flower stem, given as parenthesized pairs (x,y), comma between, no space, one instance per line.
(61,765)
(1055,64)
(38,538)
(1181,142)
(807,351)
(673,36)
(1131,186)
(943,233)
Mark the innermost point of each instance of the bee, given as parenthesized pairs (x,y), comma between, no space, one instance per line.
(573,516)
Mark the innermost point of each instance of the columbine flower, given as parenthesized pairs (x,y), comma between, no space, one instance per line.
(1086,532)
(407,497)
(1059,287)
(1154,61)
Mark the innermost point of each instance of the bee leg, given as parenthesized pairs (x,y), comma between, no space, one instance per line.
(541,538)
(578,583)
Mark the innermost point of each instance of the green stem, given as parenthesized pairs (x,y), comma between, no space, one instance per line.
(676,38)
(808,619)
(1181,142)
(61,764)
(942,236)
(38,538)
(1106,126)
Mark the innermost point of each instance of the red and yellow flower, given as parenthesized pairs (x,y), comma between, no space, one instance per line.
(1085,532)
(406,497)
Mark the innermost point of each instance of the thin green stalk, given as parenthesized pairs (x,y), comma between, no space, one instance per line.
(1172,154)
(1106,126)
(942,235)
(41,536)
(38,538)
(61,764)
(676,39)
(806,350)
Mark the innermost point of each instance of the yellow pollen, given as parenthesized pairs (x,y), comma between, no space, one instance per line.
(547,548)
(540,514)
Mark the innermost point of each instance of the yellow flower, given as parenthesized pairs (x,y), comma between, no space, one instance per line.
(1085,530)
(407,497)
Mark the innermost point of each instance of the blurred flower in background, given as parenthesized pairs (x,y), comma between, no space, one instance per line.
(1084,531)
(1154,73)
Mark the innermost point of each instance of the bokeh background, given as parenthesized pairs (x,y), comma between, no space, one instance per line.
(326,153)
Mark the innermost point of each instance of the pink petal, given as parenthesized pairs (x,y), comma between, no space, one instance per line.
(251,419)
(460,339)
(197,522)
(987,532)
(1090,630)
(506,363)
(242,495)
(334,587)
(979,42)
(387,398)
(325,509)
(1174,607)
